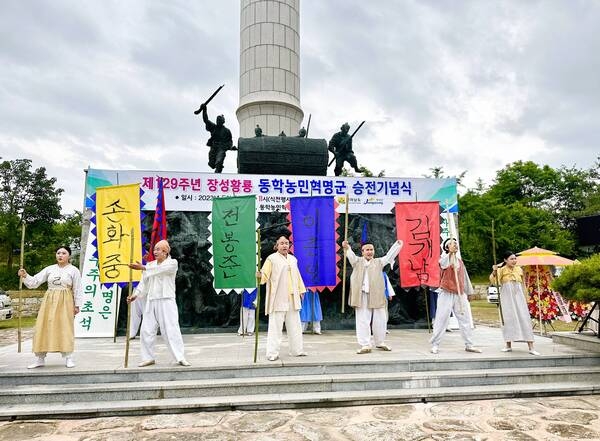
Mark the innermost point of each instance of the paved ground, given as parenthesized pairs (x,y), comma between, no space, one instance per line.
(551,419)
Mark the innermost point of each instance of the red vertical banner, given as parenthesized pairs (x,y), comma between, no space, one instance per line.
(418,226)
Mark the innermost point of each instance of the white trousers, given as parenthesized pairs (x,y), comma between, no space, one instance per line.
(293,329)
(161,313)
(364,316)
(137,310)
(246,321)
(316,326)
(446,304)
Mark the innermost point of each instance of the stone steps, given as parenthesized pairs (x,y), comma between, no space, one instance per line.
(158,390)
(292,400)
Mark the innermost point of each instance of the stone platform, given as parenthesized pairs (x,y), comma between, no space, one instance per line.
(224,377)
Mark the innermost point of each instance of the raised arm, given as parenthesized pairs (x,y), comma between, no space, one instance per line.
(390,257)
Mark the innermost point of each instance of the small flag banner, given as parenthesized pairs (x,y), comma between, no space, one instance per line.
(159,227)
(117,212)
(314,240)
(418,226)
(233,236)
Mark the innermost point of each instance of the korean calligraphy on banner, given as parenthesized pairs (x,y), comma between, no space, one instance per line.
(418,225)
(117,212)
(313,226)
(233,236)
(96,316)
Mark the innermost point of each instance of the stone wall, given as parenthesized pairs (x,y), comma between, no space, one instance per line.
(32,300)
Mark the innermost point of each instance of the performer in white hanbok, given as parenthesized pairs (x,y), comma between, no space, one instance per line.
(158,288)
(517,322)
(367,294)
(455,286)
(282,303)
(54,327)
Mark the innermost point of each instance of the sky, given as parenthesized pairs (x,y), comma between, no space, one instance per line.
(464,85)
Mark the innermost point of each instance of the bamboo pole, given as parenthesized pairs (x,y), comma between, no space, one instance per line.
(497,281)
(345,260)
(129,293)
(427,308)
(21,260)
(257,310)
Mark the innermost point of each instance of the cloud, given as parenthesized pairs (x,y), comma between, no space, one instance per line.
(113,84)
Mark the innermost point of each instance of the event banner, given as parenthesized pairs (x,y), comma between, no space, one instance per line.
(96,316)
(314,240)
(418,226)
(117,215)
(195,191)
(233,236)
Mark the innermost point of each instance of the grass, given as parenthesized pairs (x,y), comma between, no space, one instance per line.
(487,313)
(26,322)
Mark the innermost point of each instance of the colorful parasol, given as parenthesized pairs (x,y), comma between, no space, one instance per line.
(539,256)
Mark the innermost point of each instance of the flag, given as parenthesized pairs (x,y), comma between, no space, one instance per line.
(233,236)
(314,239)
(418,226)
(159,227)
(364,237)
(117,213)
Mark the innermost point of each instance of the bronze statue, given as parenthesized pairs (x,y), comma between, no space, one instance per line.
(282,133)
(219,142)
(341,146)
(258,131)
(301,133)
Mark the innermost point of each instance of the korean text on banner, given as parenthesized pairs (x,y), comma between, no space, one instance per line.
(314,239)
(418,225)
(234,244)
(117,212)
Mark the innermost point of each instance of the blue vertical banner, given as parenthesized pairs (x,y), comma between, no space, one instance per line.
(314,240)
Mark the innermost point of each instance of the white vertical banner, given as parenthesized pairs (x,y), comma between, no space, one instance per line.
(96,317)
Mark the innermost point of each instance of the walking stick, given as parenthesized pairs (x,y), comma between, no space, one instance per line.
(344,263)
(128,303)
(256,311)
(497,281)
(20,288)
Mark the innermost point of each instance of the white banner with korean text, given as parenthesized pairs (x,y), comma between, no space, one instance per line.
(96,317)
(191,191)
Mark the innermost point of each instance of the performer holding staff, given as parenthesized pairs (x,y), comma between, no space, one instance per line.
(517,323)
(367,294)
(285,289)
(54,327)
(452,297)
(158,288)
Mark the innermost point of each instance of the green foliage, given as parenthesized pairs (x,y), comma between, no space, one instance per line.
(580,282)
(27,196)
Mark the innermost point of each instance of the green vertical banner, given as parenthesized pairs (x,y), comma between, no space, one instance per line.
(233,236)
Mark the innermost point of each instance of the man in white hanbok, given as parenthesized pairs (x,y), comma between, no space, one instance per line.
(158,288)
(284,293)
(367,294)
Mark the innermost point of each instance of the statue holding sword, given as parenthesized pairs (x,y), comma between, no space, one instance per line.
(341,146)
(220,136)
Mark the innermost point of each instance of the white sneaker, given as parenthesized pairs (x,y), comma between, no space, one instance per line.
(273,357)
(69,362)
(473,349)
(364,350)
(506,349)
(534,352)
(434,350)
(184,362)
(39,362)
(384,347)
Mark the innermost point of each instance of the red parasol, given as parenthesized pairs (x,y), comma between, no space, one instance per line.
(538,256)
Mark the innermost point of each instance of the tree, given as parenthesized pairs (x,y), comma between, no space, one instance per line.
(580,282)
(364,172)
(437,172)
(26,196)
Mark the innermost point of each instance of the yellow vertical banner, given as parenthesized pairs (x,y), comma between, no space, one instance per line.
(117,213)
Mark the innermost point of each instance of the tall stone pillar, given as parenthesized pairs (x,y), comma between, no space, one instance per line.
(269,67)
